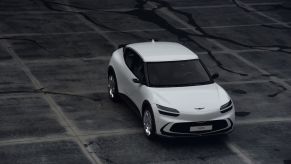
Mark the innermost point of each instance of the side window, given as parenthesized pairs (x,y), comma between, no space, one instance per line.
(135,64)
(138,69)
(128,58)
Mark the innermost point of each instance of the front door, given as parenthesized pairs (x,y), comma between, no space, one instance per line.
(136,68)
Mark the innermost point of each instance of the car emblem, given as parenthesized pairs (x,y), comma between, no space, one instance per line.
(199,108)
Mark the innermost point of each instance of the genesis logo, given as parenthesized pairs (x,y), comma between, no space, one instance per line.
(199,108)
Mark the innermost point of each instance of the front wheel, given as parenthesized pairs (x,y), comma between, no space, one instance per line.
(149,123)
(112,87)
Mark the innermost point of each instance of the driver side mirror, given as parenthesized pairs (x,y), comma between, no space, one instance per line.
(137,81)
(215,76)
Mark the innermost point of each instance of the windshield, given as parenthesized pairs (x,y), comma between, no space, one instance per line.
(177,73)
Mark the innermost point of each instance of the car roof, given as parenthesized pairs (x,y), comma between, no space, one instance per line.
(162,51)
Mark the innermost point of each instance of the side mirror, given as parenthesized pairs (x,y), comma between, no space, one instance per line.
(121,45)
(215,76)
(136,81)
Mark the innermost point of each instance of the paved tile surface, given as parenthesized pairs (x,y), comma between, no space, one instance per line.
(122,149)
(23,117)
(53,67)
(260,37)
(278,65)
(40,23)
(45,152)
(244,96)
(12,78)
(223,16)
(230,68)
(66,46)
(73,76)
(93,112)
(270,142)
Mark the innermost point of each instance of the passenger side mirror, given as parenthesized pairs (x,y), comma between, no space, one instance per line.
(215,76)
(121,45)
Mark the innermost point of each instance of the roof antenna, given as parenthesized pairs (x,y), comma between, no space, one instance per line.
(153,40)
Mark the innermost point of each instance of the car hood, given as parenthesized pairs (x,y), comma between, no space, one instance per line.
(198,99)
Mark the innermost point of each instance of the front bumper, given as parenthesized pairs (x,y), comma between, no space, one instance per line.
(221,123)
(183,129)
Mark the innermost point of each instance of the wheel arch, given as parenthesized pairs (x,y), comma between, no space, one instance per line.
(110,69)
(145,104)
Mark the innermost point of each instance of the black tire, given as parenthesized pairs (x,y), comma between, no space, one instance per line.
(112,87)
(150,132)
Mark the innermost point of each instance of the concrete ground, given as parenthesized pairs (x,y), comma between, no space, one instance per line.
(53,58)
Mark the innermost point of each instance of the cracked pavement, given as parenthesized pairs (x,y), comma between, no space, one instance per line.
(53,62)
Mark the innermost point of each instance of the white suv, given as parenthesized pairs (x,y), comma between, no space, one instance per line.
(172,89)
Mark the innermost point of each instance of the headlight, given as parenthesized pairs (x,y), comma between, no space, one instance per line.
(167,111)
(226,107)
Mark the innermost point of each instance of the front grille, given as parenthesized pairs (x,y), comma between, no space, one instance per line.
(185,127)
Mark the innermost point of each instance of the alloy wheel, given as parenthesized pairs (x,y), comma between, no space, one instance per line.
(147,123)
(111,86)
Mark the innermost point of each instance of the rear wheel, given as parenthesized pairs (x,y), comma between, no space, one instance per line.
(149,123)
(112,87)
